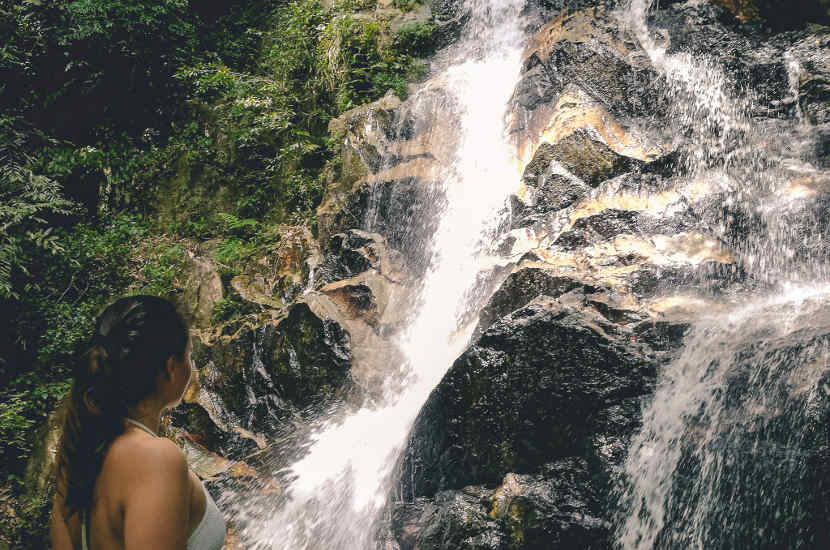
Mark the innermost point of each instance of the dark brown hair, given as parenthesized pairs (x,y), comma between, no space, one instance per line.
(133,339)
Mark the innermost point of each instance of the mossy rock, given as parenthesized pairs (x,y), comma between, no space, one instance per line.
(311,357)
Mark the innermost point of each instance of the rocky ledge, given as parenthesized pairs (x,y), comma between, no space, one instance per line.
(618,250)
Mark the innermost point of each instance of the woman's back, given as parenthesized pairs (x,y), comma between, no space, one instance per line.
(118,483)
(144,494)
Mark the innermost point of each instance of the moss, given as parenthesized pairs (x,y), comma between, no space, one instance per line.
(780,14)
(232,307)
(419,39)
(517,517)
(310,357)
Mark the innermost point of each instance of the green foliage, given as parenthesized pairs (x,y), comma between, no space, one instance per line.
(121,55)
(113,112)
(54,313)
(232,252)
(236,226)
(232,307)
(20,412)
(417,39)
(160,272)
(264,134)
(27,201)
(405,5)
(358,68)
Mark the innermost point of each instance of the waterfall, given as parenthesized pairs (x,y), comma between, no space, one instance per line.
(728,441)
(333,495)
(747,163)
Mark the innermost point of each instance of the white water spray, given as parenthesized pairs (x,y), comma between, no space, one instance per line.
(723,436)
(340,486)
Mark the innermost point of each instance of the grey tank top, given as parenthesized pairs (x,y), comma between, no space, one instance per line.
(208,535)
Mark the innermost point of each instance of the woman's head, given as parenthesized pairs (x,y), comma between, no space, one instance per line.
(138,353)
(135,340)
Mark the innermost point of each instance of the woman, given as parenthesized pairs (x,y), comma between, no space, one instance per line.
(119,485)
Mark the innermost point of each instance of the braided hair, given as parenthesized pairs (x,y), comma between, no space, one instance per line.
(133,339)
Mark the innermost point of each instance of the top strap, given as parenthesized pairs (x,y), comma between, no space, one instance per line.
(142,426)
(84,545)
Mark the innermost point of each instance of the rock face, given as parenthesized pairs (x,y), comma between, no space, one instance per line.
(520,446)
(262,377)
(551,390)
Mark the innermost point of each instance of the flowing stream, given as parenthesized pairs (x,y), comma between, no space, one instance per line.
(336,492)
(728,442)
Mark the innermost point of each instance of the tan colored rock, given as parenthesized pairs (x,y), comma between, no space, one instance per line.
(581,27)
(610,263)
(804,187)
(254,289)
(205,463)
(658,203)
(41,466)
(574,111)
(202,288)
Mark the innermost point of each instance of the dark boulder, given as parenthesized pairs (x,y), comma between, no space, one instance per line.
(552,393)
(559,508)
(527,392)
(453,520)
(310,357)
(586,156)
(262,376)
(400,211)
(520,288)
(347,255)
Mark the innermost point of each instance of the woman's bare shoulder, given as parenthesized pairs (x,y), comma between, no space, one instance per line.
(136,457)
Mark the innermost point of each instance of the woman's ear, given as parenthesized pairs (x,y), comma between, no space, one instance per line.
(89,402)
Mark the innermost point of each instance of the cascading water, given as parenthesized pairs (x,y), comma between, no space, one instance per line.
(334,494)
(731,441)
(728,445)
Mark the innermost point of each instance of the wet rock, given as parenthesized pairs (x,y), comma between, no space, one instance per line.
(365,137)
(524,394)
(708,31)
(572,240)
(520,288)
(262,376)
(541,407)
(453,520)
(201,289)
(355,252)
(813,75)
(585,155)
(537,87)
(779,14)
(706,278)
(585,49)
(559,508)
(546,190)
(821,151)
(610,223)
(310,357)
(400,211)
(364,130)
(357,300)
(556,192)
(347,255)
(752,452)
